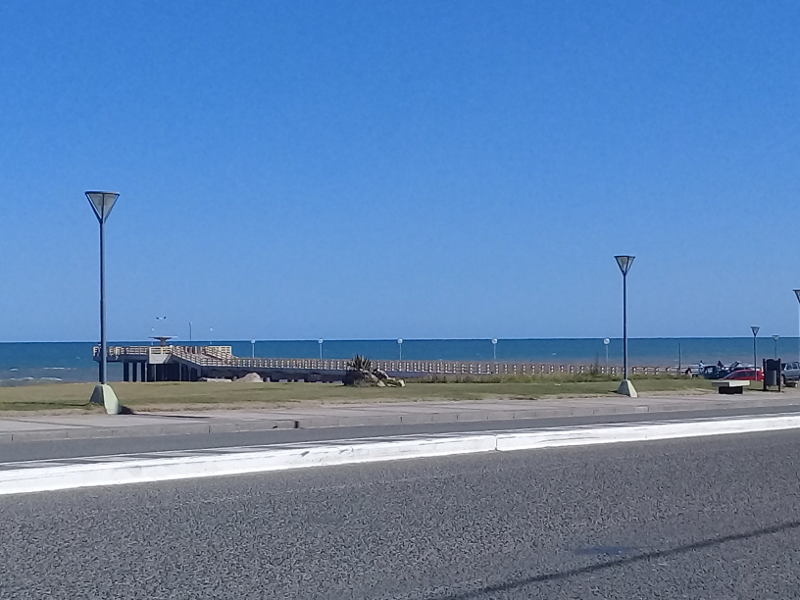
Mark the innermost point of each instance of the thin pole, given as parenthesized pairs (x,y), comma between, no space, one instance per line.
(679,357)
(103,344)
(624,326)
(401,350)
(606,345)
(798,331)
(755,366)
(190,331)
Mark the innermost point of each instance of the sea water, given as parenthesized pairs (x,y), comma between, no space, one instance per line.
(37,362)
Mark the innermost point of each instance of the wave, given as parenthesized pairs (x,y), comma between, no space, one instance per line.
(15,381)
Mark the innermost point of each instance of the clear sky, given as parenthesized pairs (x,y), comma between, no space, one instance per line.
(405,169)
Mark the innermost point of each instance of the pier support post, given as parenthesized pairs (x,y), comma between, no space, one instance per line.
(126,375)
(134,371)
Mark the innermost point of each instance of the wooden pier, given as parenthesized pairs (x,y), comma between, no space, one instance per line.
(192,363)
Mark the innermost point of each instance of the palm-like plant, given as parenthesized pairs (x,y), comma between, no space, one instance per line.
(359,363)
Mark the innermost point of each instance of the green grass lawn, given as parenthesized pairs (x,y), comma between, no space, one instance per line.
(174,395)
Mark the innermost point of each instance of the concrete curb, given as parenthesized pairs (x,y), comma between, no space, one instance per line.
(318,422)
(37,476)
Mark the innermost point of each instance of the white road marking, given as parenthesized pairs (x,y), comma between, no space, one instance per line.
(65,473)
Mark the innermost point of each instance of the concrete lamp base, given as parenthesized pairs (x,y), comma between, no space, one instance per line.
(103,394)
(626,389)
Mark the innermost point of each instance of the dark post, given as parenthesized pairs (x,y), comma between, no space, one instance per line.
(624,325)
(624,263)
(103,343)
(754,329)
(102,203)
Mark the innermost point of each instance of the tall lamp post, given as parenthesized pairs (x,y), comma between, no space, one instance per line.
(320,341)
(754,329)
(252,348)
(494,349)
(102,203)
(797,295)
(775,339)
(400,346)
(606,342)
(626,387)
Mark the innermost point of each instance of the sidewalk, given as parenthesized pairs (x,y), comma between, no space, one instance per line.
(53,427)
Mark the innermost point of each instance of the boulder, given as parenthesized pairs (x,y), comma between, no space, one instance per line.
(359,378)
(251,378)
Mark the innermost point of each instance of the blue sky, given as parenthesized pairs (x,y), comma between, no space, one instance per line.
(400,169)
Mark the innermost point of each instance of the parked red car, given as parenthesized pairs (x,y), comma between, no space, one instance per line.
(750,374)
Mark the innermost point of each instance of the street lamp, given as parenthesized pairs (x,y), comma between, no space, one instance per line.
(606,342)
(400,346)
(102,203)
(797,295)
(494,349)
(252,348)
(153,329)
(320,341)
(210,336)
(626,387)
(754,329)
(775,339)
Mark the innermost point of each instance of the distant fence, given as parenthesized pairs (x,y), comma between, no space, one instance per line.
(222,356)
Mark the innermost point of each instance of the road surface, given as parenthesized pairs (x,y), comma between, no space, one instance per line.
(65,448)
(698,518)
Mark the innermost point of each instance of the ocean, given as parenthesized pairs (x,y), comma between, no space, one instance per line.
(39,362)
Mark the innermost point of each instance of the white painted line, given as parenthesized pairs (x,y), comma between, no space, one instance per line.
(643,432)
(57,474)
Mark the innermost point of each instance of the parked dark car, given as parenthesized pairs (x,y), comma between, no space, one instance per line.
(716,372)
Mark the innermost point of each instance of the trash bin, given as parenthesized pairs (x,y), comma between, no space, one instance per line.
(772,372)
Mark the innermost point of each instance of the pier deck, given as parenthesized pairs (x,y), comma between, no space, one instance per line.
(192,363)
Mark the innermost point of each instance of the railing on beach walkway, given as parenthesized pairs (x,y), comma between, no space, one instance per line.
(222,356)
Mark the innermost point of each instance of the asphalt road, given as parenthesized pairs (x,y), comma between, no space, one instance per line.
(710,518)
(40,450)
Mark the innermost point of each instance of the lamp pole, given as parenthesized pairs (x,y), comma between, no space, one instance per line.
(400,346)
(624,263)
(153,329)
(754,329)
(494,349)
(797,295)
(606,342)
(252,348)
(102,203)
(190,331)
(775,339)
(320,341)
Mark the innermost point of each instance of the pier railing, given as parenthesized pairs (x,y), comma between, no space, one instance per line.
(222,356)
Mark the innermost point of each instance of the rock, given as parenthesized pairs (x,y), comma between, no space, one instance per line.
(380,383)
(215,379)
(359,378)
(393,382)
(380,374)
(251,378)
